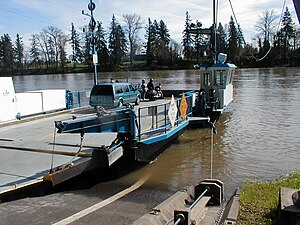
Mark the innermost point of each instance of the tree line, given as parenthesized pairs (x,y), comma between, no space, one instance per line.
(121,47)
(274,46)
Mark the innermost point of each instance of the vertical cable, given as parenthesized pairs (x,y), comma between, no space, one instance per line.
(53,148)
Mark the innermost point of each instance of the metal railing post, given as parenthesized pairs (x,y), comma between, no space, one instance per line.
(156,116)
(165,118)
(78,96)
(178,113)
(140,125)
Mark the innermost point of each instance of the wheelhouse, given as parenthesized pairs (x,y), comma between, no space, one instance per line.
(216,82)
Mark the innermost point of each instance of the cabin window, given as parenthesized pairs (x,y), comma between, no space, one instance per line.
(230,76)
(125,88)
(102,90)
(219,78)
(118,89)
(207,81)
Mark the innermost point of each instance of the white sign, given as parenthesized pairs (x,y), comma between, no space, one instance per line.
(95,58)
(172,113)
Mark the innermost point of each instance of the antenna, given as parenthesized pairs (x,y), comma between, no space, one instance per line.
(214,34)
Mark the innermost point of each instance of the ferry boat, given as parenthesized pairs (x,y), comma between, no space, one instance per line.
(216,88)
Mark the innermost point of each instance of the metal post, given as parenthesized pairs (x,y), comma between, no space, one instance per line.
(178,221)
(152,117)
(79,101)
(214,34)
(165,118)
(177,116)
(139,115)
(156,116)
(198,199)
(211,153)
(95,60)
(92,25)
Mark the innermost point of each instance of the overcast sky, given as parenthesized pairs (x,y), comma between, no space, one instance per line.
(27,17)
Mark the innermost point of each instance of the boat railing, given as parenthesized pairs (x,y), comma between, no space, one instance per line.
(76,99)
(159,122)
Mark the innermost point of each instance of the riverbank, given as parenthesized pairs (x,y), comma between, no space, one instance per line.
(259,200)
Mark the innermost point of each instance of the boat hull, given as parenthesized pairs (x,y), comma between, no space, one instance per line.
(147,150)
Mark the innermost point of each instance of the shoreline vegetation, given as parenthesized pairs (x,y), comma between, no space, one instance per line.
(259,200)
(88,68)
(83,68)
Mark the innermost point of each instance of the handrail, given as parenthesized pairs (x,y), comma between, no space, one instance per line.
(75,99)
(160,122)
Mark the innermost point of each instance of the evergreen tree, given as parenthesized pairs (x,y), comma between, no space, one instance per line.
(62,53)
(87,50)
(75,45)
(6,52)
(101,46)
(195,43)
(34,50)
(1,54)
(164,35)
(156,45)
(287,24)
(199,41)
(221,39)
(187,41)
(233,41)
(287,32)
(117,43)
(283,38)
(19,51)
(158,40)
(150,36)
(163,40)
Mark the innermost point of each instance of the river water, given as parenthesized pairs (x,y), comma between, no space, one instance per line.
(257,138)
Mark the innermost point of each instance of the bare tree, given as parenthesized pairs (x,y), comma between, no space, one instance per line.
(133,23)
(52,43)
(57,41)
(266,24)
(42,42)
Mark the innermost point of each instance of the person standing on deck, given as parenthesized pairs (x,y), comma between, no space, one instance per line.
(143,86)
(150,85)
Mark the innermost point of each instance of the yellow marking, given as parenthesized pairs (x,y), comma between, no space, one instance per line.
(56,152)
(15,187)
(46,137)
(103,203)
(47,177)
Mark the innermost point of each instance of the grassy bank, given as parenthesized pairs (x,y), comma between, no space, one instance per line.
(259,200)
